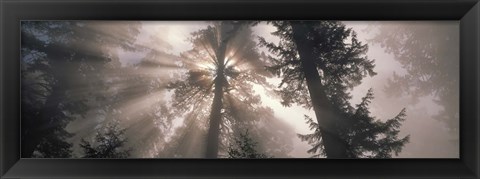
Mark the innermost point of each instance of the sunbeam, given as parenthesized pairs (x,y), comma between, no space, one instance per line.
(195,89)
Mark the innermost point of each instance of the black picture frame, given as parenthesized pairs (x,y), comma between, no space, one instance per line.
(13,11)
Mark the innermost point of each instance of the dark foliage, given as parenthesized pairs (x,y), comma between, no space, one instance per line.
(72,74)
(367,137)
(109,143)
(244,146)
(339,56)
(57,68)
(340,61)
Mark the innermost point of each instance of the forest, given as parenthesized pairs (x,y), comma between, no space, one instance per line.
(239,89)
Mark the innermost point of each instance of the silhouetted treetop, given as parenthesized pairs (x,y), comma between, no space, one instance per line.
(220,71)
(430,57)
(243,146)
(108,143)
(339,57)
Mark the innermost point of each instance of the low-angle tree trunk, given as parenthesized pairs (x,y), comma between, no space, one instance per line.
(217,105)
(334,146)
(225,32)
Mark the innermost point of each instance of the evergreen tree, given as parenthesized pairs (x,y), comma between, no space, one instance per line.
(221,70)
(319,61)
(134,95)
(366,136)
(108,143)
(54,146)
(429,53)
(244,147)
(56,64)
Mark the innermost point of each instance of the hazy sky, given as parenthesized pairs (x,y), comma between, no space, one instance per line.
(428,137)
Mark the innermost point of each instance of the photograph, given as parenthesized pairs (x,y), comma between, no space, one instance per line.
(237,89)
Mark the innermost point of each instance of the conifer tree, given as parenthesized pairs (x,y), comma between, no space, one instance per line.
(108,143)
(55,61)
(319,61)
(244,146)
(221,69)
(430,57)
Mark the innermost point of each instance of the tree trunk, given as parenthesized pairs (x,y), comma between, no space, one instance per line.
(334,146)
(225,32)
(217,105)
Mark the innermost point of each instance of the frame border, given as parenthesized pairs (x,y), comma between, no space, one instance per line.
(13,11)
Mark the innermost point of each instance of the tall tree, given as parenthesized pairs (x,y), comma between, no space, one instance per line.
(429,53)
(222,34)
(58,59)
(319,61)
(221,68)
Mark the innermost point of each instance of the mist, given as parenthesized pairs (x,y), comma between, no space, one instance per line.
(151,87)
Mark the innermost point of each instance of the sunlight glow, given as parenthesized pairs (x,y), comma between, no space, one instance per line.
(137,83)
(206,66)
(229,61)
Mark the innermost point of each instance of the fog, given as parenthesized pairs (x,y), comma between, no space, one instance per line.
(164,43)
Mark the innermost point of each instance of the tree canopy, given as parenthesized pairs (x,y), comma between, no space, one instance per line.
(112,89)
(340,64)
(244,146)
(56,62)
(108,143)
(367,136)
(430,57)
(221,69)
